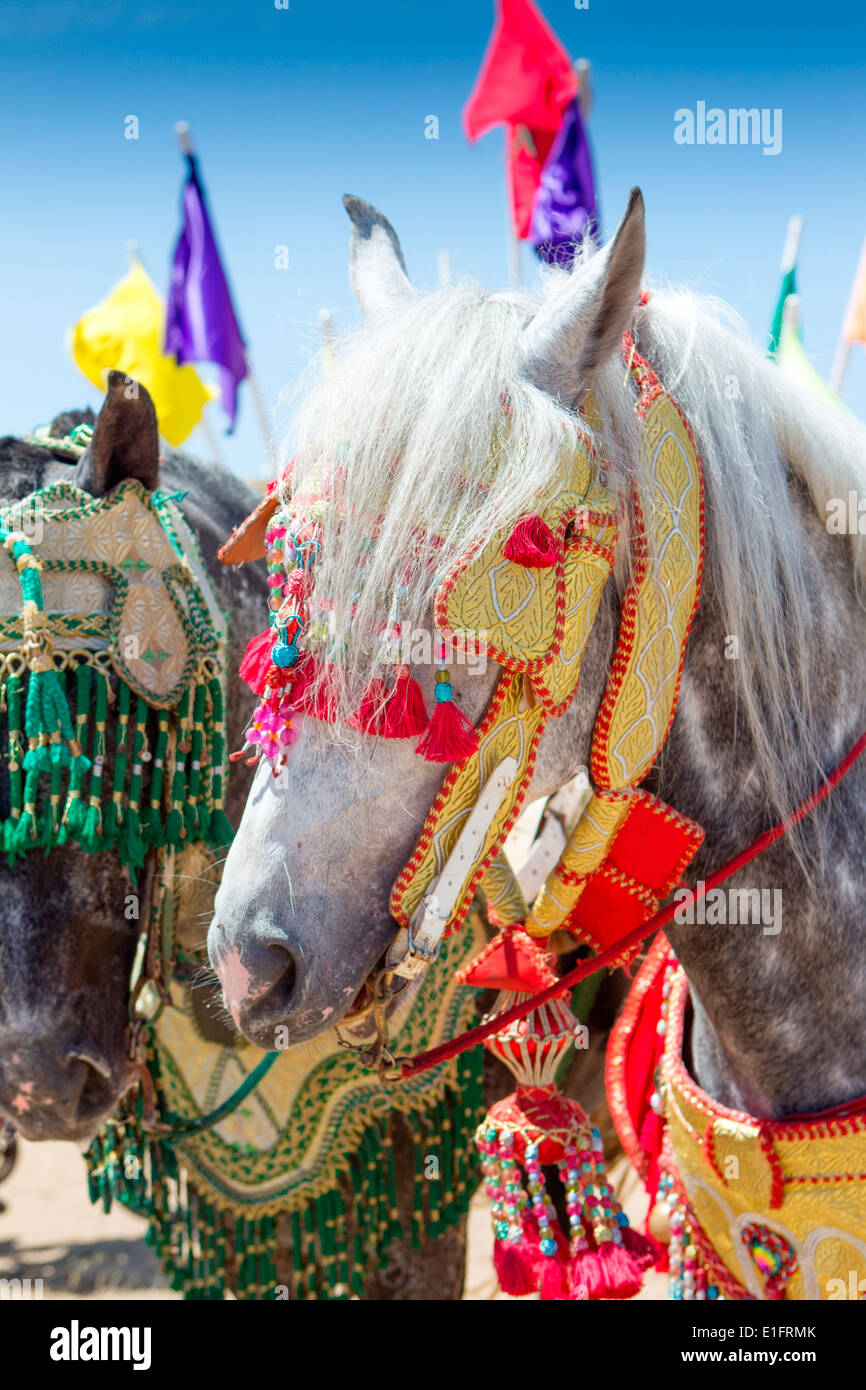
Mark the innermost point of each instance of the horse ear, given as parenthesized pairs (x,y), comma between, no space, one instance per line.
(377,270)
(125,441)
(582,326)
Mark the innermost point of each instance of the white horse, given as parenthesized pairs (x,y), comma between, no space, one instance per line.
(774,682)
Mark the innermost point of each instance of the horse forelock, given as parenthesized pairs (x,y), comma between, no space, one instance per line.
(434,440)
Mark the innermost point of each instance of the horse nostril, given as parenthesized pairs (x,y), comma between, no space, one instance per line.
(96,1093)
(269,994)
(283,977)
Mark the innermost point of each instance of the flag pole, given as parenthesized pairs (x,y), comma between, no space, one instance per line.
(843,351)
(791,249)
(133,251)
(261,411)
(184,139)
(583,69)
(327,334)
(210,437)
(513,238)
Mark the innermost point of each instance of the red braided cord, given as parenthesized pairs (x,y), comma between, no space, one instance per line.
(445,1051)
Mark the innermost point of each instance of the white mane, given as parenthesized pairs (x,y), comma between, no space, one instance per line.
(412,410)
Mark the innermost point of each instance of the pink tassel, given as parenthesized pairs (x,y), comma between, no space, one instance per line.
(449,737)
(513,1270)
(532,543)
(256,662)
(622,1275)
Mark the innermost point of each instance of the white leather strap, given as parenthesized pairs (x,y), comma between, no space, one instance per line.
(414,949)
(560,816)
(543,856)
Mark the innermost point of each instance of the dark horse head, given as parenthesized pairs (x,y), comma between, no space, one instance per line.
(66,943)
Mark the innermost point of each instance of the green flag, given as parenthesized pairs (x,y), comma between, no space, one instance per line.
(788,286)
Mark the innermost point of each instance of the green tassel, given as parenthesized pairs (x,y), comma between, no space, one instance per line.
(220,832)
(194,814)
(25,829)
(130,844)
(174,825)
(418,1191)
(49,820)
(91,836)
(113,823)
(16,759)
(74,810)
(312,1271)
(297,1255)
(152,822)
(395,1227)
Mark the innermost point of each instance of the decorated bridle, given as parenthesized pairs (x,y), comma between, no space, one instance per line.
(534,593)
(112,677)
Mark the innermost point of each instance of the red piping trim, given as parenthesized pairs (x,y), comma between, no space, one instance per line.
(412,1066)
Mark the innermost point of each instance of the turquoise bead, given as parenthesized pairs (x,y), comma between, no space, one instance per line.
(284,654)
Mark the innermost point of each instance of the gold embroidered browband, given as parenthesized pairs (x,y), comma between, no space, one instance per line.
(628,849)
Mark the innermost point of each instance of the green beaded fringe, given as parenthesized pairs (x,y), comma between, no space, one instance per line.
(42,744)
(78,800)
(205,1249)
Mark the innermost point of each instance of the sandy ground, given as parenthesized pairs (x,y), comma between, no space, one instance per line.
(50,1231)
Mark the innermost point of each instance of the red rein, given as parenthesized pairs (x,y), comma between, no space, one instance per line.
(425,1060)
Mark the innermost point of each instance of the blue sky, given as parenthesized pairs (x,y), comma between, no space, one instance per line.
(292,108)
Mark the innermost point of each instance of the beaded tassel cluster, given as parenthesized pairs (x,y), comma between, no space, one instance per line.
(281,668)
(339,1236)
(539,1131)
(167,778)
(689,1278)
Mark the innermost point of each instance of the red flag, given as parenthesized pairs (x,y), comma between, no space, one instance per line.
(525,82)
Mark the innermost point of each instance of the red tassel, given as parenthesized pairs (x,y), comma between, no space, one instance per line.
(532,543)
(449,737)
(299,678)
(587,1276)
(514,1272)
(317,696)
(256,662)
(406,713)
(553,1284)
(398,713)
(370,710)
(621,1273)
(652,1133)
(643,1249)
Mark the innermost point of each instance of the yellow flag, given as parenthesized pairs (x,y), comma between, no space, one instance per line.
(792,358)
(125,333)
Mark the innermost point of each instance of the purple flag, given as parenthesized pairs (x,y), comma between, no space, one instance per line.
(201,325)
(565,204)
